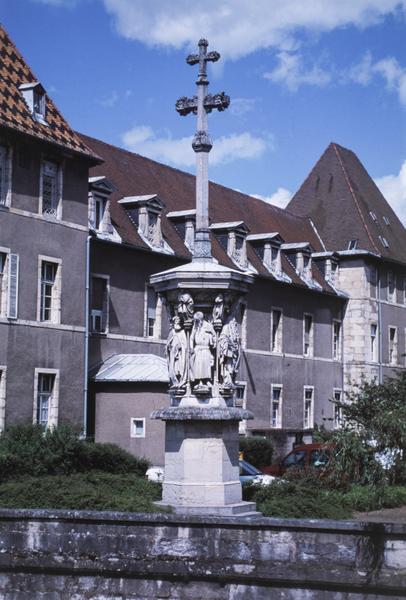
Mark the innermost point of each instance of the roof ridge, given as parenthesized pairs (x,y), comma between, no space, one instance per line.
(353,195)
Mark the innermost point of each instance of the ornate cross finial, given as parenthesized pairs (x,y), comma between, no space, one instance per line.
(201,105)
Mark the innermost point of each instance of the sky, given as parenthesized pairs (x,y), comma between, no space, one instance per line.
(300,74)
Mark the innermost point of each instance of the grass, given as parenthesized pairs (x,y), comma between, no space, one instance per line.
(82,491)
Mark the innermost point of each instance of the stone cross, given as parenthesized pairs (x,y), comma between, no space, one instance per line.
(201,105)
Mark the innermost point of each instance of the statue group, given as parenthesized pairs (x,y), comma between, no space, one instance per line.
(203,350)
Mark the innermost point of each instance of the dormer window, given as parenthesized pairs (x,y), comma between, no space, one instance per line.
(145,214)
(352,244)
(384,241)
(100,190)
(268,248)
(34,95)
(232,236)
(184,223)
(373,216)
(386,221)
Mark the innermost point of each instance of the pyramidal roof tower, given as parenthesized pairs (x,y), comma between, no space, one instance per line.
(348,209)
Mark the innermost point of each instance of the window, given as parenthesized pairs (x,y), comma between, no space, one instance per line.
(3,283)
(373,216)
(153,310)
(240,388)
(46,397)
(308,335)
(386,220)
(3,178)
(336,340)
(99,209)
(2,397)
(374,342)
(39,102)
(99,313)
(276,406)
(49,291)
(34,95)
(137,427)
(338,411)
(384,241)
(50,189)
(393,345)
(391,286)
(308,408)
(404,290)
(352,244)
(276,330)
(373,281)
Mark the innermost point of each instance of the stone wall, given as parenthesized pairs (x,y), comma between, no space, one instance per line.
(83,555)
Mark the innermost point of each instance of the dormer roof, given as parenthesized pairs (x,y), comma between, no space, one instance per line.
(265,237)
(151,200)
(296,247)
(16,77)
(101,184)
(230,226)
(182,214)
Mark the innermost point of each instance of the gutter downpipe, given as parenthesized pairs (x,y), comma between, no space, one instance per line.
(86,345)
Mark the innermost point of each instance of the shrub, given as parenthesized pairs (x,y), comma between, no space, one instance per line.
(257,450)
(29,450)
(82,491)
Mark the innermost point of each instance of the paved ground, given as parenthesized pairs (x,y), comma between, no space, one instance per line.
(385,515)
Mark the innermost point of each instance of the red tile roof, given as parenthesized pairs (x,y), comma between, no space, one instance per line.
(339,196)
(14,112)
(132,175)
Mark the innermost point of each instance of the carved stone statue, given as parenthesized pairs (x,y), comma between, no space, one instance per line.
(176,350)
(185,306)
(229,352)
(218,309)
(202,343)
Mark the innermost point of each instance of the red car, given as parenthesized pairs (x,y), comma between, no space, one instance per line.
(302,456)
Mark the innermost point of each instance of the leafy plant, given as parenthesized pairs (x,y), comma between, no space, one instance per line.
(257,450)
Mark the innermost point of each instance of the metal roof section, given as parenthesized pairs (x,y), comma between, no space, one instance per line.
(262,237)
(179,214)
(138,199)
(132,368)
(294,246)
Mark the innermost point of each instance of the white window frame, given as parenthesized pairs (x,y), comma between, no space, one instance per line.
(9,283)
(337,416)
(336,347)
(373,348)
(105,312)
(393,360)
(53,408)
(311,336)
(3,387)
(278,423)
(48,165)
(133,429)
(310,423)
(391,278)
(56,302)
(4,282)
(157,327)
(241,403)
(279,332)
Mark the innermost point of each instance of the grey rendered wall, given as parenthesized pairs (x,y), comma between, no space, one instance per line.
(25,343)
(85,555)
(116,404)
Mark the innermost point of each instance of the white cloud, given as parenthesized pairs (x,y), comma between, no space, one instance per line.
(239,27)
(64,3)
(290,71)
(110,100)
(143,139)
(393,187)
(279,198)
(241,106)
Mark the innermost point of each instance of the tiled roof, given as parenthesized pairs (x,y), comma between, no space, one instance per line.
(15,113)
(134,175)
(339,196)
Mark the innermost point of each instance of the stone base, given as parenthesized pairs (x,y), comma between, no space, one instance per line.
(240,509)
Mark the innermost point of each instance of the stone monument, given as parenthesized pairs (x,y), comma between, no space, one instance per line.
(204,300)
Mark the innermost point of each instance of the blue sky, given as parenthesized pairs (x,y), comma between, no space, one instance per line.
(300,73)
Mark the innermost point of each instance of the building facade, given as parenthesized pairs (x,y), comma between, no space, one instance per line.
(83,225)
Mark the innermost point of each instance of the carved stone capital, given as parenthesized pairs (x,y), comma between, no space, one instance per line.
(202,142)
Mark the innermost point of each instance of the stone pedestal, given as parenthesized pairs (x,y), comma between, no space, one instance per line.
(201,461)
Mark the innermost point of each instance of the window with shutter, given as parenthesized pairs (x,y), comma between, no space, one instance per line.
(99,305)
(3,181)
(13,286)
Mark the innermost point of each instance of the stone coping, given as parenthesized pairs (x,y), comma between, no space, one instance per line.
(201,413)
(169,519)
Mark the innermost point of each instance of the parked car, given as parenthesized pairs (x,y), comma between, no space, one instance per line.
(248,474)
(302,456)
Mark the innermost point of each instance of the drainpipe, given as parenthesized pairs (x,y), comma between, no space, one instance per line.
(86,348)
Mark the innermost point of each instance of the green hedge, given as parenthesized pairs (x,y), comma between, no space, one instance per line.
(29,450)
(257,450)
